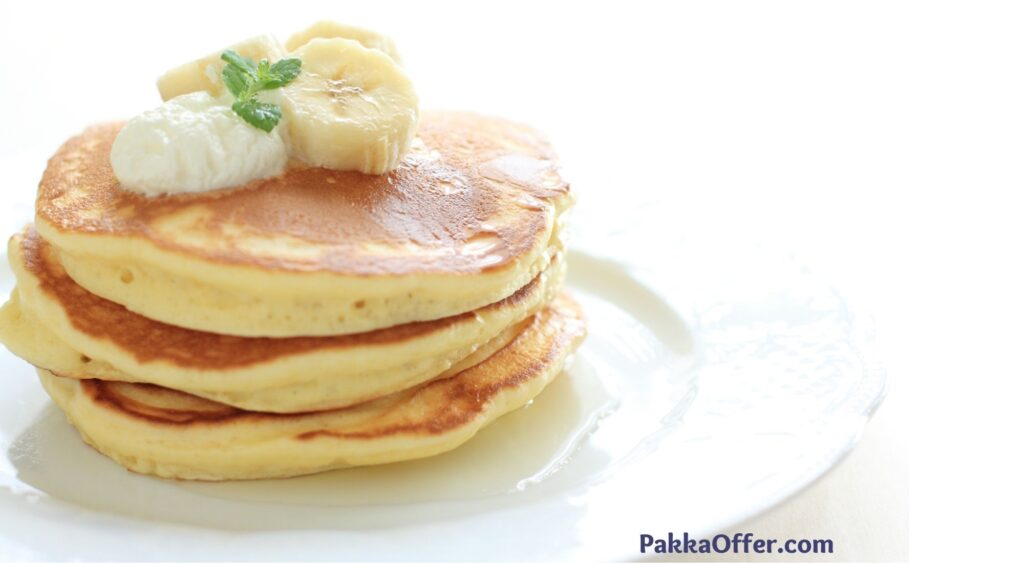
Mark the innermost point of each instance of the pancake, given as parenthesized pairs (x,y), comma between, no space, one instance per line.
(469,217)
(150,429)
(57,325)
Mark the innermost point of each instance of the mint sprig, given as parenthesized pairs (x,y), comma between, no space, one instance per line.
(245,78)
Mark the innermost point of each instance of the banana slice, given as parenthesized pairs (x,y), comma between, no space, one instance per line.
(351,108)
(204,74)
(329,29)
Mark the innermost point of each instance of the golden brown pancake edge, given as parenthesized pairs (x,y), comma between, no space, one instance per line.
(452,195)
(150,340)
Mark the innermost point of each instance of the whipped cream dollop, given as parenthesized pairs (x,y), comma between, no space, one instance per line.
(194,143)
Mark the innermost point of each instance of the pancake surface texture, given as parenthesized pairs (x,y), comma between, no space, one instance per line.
(59,326)
(470,216)
(154,430)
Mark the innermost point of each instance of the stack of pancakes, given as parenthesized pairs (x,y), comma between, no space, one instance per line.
(315,320)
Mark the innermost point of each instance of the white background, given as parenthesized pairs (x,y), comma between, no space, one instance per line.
(880,143)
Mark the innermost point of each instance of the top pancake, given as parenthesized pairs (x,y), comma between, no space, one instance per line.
(469,217)
(473,195)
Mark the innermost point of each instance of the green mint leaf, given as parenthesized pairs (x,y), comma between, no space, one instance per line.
(243,63)
(245,78)
(236,80)
(258,114)
(282,72)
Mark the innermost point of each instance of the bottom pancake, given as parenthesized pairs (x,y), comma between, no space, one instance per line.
(159,431)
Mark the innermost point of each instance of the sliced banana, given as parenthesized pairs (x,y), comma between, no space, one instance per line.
(204,74)
(330,29)
(351,107)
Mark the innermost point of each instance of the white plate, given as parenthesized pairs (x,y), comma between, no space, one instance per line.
(714,384)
